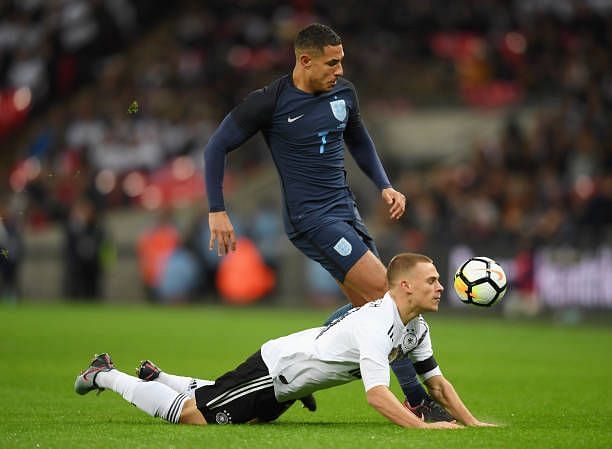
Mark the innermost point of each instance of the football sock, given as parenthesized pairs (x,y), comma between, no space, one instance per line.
(182,384)
(153,398)
(338,313)
(407,378)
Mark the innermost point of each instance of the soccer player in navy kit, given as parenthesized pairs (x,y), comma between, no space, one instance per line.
(306,118)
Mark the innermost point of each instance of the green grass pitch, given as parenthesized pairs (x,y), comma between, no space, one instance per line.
(550,386)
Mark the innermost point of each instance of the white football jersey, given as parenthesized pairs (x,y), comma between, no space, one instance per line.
(358,345)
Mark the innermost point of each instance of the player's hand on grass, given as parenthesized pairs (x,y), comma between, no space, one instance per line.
(396,200)
(482,424)
(221,232)
(444,425)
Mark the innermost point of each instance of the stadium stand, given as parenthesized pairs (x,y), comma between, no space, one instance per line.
(116,99)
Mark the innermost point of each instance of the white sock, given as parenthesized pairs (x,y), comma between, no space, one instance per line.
(182,384)
(153,398)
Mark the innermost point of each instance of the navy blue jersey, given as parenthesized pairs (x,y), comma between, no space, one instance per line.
(306,135)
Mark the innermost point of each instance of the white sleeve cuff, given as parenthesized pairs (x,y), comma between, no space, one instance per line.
(434,372)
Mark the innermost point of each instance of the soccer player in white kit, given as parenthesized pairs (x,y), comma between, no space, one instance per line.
(358,345)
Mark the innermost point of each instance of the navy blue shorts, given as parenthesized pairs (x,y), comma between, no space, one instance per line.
(336,246)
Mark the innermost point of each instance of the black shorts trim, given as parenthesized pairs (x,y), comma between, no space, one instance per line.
(241,395)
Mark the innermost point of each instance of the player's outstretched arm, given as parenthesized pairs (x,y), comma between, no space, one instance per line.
(236,128)
(385,402)
(221,232)
(444,392)
(226,138)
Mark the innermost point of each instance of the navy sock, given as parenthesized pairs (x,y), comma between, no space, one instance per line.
(407,378)
(338,313)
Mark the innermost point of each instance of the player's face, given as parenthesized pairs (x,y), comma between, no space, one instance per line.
(326,68)
(427,287)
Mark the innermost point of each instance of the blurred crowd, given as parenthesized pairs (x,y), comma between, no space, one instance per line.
(125,93)
(547,185)
(49,49)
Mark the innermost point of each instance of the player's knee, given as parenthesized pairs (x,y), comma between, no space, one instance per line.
(367,279)
(361,293)
(380,289)
(376,290)
(376,285)
(191,414)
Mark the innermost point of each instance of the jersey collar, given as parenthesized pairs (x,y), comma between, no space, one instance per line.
(397,320)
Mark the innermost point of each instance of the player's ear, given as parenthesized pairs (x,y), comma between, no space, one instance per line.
(305,60)
(405,285)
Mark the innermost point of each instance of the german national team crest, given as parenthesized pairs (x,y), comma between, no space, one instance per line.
(343,247)
(338,107)
(409,341)
(223,417)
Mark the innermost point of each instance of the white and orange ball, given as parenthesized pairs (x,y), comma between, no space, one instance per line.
(480,281)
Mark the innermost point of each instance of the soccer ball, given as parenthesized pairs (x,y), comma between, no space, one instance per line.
(480,281)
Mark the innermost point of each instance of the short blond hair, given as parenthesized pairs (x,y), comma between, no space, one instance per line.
(403,263)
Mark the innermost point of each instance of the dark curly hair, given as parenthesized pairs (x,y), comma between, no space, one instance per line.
(316,36)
